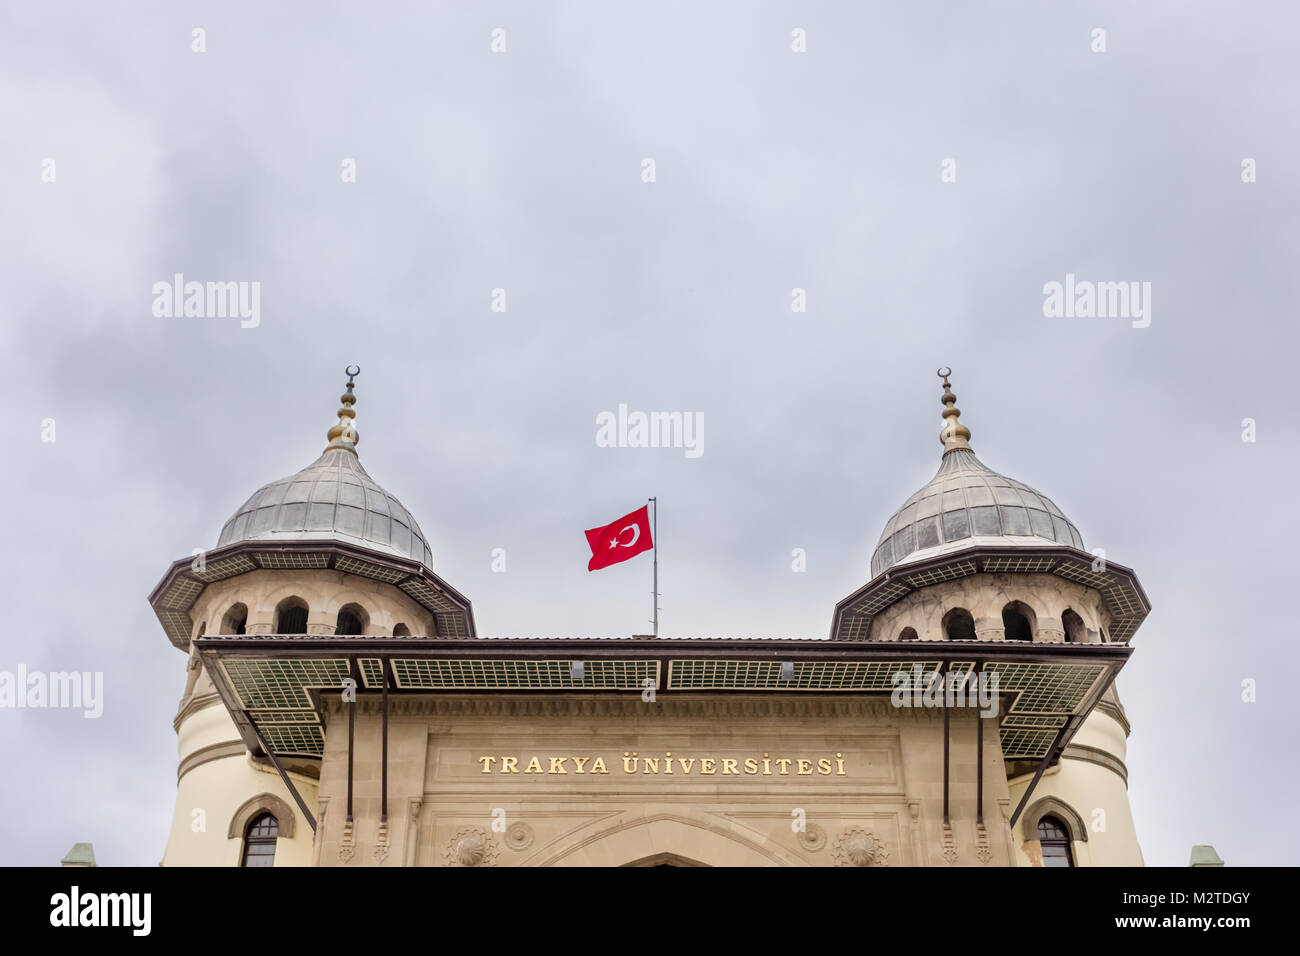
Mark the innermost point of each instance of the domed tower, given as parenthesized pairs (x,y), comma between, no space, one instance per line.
(321,552)
(977,557)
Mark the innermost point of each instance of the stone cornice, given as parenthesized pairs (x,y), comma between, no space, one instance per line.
(1113,710)
(193,705)
(228,748)
(631,705)
(1098,756)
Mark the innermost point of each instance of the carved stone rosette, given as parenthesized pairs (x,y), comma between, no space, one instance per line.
(813,838)
(471,847)
(519,836)
(858,847)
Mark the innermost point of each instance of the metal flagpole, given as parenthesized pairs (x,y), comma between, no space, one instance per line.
(654,533)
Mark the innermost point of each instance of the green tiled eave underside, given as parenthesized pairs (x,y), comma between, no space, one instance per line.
(274,692)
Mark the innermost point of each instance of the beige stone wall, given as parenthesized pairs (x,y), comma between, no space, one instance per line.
(985,595)
(885,809)
(325,593)
(1090,785)
(213,787)
(216,775)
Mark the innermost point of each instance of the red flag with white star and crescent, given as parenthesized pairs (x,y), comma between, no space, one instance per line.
(620,540)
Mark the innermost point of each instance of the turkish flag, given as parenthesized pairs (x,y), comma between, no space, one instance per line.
(620,540)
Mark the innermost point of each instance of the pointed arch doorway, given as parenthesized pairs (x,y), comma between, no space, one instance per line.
(665,859)
(670,840)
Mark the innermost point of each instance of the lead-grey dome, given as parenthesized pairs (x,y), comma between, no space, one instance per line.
(967,503)
(332,499)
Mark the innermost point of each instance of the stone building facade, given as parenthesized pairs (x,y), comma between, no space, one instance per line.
(340,708)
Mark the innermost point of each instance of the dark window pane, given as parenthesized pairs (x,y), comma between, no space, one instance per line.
(259,841)
(1016,626)
(1056,856)
(1055,841)
(1050,829)
(293,620)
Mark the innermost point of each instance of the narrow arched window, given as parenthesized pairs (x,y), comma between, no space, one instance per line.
(401,630)
(352,619)
(291,616)
(908,634)
(958,625)
(259,841)
(235,619)
(1075,632)
(1016,622)
(1055,841)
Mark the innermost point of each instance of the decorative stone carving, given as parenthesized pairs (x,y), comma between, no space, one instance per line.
(471,847)
(983,852)
(412,828)
(381,842)
(813,838)
(1051,635)
(918,852)
(519,836)
(949,845)
(858,847)
(346,849)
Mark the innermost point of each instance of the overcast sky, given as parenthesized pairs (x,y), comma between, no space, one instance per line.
(774,171)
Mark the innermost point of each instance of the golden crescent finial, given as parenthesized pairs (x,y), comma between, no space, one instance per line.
(343,435)
(954,435)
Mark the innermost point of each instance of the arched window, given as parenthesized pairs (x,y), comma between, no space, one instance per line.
(259,841)
(1075,632)
(1055,841)
(907,634)
(352,619)
(958,625)
(291,616)
(1018,622)
(401,630)
(235,619)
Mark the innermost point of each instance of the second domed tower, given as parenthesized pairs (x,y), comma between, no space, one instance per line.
(975,556)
